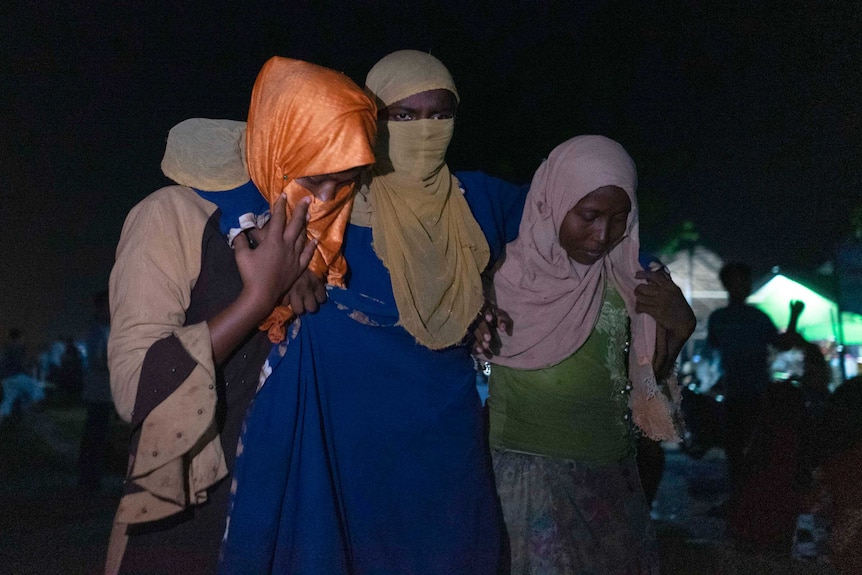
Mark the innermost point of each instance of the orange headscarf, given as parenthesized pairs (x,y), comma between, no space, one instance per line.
(306,120)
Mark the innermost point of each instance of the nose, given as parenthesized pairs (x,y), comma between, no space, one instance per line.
(326,191)
(603,231)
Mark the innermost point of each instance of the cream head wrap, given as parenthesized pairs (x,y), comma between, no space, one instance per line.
(554,301)
(206,154)
(423,230)
(404,73)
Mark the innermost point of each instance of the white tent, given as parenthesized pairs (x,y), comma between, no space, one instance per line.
(695,271)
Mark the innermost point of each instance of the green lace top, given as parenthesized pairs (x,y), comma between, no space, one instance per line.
(577,409)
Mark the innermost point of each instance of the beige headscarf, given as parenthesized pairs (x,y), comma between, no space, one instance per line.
(554,301)
(206,154)
(422,226)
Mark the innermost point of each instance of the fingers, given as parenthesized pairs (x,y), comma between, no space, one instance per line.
(491,322)
(658,363)
(489,342)
(482,339)
(646,296)
(307,253)
(254,237)
(320,292)
(658,291)
(241,243)
(294,230)
(304,295)
(302,302)
(311,304)
(657,278)
(310,295)
(504,322)
(279,213)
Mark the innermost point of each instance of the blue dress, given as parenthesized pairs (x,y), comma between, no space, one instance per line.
(364,452)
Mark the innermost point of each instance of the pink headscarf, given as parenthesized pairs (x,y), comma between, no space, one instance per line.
(554,301)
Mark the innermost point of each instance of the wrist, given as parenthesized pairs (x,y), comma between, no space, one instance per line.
(253,306)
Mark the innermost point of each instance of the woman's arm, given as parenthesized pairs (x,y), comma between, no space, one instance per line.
(483,336)
(663,300)
(158,260)
(163,371)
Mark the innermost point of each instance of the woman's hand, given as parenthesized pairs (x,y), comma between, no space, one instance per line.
(486,341)
(281,254)
(663,300)
(307,293)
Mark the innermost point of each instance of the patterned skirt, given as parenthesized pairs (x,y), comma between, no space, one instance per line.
(567,518)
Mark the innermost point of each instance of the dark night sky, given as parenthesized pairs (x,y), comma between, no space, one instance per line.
(745,121)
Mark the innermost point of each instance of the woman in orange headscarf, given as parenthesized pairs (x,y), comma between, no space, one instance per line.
(296,150)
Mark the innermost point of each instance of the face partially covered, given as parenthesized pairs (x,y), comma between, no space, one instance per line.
(437,104)
(595,225)
(324,187)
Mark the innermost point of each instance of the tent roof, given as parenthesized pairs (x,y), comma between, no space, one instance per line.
(819,320)
(695,271)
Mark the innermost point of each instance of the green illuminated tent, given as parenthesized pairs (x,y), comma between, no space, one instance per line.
(819,320)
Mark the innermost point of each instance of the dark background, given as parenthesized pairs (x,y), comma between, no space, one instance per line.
(743,119)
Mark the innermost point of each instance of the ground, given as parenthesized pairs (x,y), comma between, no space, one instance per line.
(49,527)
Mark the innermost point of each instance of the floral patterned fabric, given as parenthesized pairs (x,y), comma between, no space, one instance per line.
(566,518)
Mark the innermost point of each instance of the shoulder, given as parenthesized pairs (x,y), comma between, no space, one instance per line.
(174,203)
(496,204)
(718,314)
(172,212)
(162,237)
(757,313)
(764,318)
(480,184)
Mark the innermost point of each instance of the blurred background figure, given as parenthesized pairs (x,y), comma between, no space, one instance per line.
(69,376)
(838,497)
(14,354)
(96,394)
(20,390)
(783,450)
(742,335)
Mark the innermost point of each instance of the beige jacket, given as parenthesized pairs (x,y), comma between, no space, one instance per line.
(179,453)
(158,261)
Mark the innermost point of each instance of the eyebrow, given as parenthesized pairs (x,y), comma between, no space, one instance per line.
(401,107)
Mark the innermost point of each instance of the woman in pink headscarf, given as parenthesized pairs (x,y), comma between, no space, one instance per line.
(586,366)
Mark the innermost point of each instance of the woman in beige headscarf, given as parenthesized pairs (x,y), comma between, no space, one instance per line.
(420,220)
(374,405)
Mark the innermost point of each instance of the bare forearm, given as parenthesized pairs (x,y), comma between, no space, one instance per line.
(230,327)
(675,340)
(674,346)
